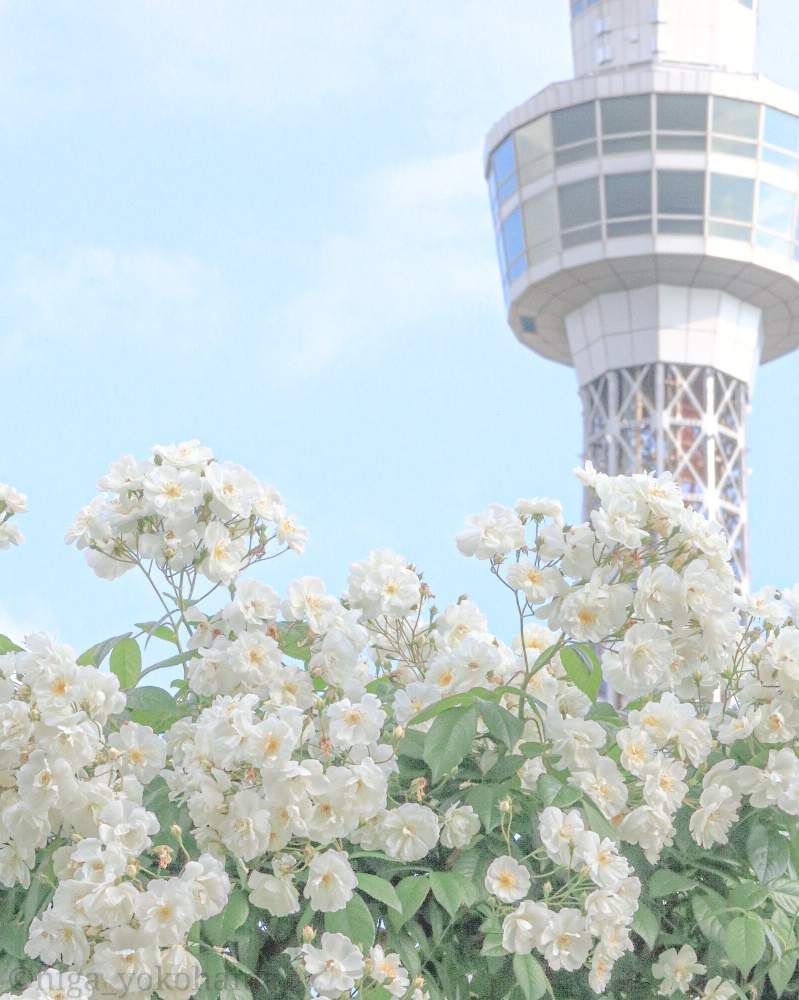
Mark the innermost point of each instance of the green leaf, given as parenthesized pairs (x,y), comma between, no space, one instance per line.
(152,706)
(173,661)
(708,907)
(744,942)
(448,889)
(530,976)
(294,641)
(126,662)
(213,966)
(785,893)
(463,700)
(501,724)
(158,631)
(665,883)
(583,669)
(485,799)
(221,928)
(235,989)
(94,655)
(505,767)
(597,821)
(379,889)
(646,925)
(355,921)
(8,645)
(768,852)
(412,892)
(412,745)
(747,895)
(781,971)
(449,740)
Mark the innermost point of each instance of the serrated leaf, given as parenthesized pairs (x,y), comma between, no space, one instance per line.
(646,925)
(665,882)
(221,928)
(379,889)
(125,662)
(503,725)
(582,669)
(484,799)
(154,707)
(157,630)
(355,921)
(744,942)
(8,645)
(708,908)
(294,641)
(412,892)
(94,655)
(449,740)
(768,852)
(597,821)
(747,895)
(785,893)
(463,700)
(530,976)
(781,971)
(449,890)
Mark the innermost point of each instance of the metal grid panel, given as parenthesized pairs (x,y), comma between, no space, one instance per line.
(685,419)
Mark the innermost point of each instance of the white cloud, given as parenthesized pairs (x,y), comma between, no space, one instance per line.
(421,250)
(256,57)
(94,295)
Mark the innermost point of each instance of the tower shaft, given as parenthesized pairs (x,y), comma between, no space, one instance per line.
(689,420)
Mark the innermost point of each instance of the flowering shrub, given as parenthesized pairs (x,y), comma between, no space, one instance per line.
(370,797)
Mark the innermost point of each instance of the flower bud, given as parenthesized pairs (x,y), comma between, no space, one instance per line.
(308,934)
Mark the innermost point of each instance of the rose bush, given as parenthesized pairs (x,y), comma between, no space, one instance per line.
(367,796)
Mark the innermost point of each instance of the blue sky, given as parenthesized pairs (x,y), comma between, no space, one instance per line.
(265,225)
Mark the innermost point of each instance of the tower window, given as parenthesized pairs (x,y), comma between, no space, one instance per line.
(628,194)
(579,203)
(682,112)
(681,192)
(732,197)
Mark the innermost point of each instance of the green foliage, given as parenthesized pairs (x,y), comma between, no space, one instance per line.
(154,707)
(125,662)
(449,740)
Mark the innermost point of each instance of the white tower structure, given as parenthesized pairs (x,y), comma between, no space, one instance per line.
(646,221)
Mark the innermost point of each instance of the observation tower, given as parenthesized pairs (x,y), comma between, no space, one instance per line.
(646,222)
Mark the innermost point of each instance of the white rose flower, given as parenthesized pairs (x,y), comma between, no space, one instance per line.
(676,969)
(409,832)
(566,940)
(277,895)
(523,929)
(507,879)
(459,825)
(335,967)
(495,532)
(331,881)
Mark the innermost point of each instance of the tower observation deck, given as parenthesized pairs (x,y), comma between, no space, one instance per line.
(647,225)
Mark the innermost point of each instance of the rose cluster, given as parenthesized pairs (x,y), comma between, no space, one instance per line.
(368,795)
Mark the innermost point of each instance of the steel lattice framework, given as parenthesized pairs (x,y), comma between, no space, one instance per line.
(687,419)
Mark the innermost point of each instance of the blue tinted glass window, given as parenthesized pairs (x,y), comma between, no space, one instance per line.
(574,124)
(513,235)
(775,208)
(504,160)
(732,197)
(781,129)
(736,117)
